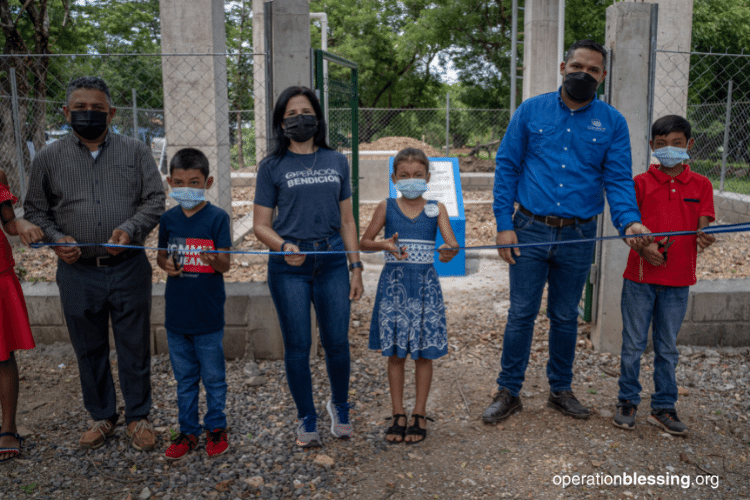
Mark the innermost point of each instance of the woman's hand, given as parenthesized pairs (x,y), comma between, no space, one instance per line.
(356,288)
(292,260)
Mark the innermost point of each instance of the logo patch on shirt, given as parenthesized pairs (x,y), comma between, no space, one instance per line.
(596,124)
(693,200)
(189,253)
(320,176)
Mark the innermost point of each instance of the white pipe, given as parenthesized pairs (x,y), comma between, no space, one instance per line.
(323,45)
(323,28)
(560,35)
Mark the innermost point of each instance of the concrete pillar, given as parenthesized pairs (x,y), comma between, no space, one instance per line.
(628,35)
(196,112)
(541,61)
(672,70)
(289,45)
(262,104)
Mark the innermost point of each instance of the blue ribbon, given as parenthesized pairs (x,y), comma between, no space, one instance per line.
(725,228)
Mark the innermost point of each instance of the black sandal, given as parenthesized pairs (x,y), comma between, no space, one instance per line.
(396,430)
(12,452)
(416,430)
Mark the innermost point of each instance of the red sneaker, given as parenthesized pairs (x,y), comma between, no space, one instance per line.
(181,446)
(216,442)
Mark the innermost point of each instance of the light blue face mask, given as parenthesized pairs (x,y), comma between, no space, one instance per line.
(670,156)
(411,188)
(188,197)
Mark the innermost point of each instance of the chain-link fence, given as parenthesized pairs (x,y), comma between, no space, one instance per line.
(168,101)
(713,92)
(441,128)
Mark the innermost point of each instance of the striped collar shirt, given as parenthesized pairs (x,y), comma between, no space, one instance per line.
(71,193)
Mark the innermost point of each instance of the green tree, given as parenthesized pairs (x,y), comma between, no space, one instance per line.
(393,46)
(30,32)
(240,74)
(479,45)
(477,34)
(129,27)
(723,26)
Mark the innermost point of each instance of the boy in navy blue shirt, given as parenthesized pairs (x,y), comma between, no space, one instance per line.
(195,301)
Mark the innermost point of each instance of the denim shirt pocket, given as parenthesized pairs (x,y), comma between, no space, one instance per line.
(595,146)
(540,134)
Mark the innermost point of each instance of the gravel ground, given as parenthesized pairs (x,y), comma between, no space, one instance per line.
(527,456)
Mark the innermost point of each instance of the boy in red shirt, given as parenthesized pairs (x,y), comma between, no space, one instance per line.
(655,290)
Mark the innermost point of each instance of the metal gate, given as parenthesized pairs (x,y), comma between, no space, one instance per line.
(338,90)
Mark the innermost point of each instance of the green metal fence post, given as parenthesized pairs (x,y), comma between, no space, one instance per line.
(355,144)
(336,95)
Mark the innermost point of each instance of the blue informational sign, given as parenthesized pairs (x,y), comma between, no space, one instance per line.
(445,187)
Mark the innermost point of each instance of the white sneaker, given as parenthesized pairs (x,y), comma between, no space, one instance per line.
(340,425)
(307,432)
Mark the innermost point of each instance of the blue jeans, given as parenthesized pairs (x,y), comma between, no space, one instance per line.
(564,268)
(662,307)
(194,358)
(322,280)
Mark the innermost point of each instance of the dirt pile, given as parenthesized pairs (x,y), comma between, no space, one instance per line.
(397,144)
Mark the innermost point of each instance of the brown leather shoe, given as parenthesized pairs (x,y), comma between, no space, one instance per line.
(142,434)
(95,436)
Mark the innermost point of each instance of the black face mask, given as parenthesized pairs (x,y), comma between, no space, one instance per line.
(580,86)
(300,128)
(89,124)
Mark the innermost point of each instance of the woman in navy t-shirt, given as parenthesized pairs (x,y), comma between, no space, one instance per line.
(309,184)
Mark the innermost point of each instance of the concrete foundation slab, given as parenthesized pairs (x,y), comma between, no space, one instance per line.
(47,309)
(235,342)
(50,334)
(721,300)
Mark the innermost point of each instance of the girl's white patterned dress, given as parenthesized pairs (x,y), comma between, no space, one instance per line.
(408,317)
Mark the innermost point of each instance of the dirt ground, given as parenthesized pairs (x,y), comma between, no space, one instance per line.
(477,165)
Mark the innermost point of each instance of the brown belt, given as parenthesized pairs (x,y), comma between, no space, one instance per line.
(553,221)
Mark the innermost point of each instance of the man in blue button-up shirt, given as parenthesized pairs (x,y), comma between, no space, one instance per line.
(561,152)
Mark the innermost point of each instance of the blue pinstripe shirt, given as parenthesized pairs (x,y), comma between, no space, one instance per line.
(559,162)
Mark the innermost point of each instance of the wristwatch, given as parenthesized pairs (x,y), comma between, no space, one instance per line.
(355,265)
(284,244)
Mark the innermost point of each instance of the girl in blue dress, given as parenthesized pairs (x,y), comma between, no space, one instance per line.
(409,315)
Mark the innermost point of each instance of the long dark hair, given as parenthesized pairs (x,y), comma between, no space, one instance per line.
(280,141)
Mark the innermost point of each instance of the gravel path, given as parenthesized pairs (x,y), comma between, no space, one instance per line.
(527,456)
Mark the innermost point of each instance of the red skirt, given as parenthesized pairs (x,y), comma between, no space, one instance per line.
(15,331)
